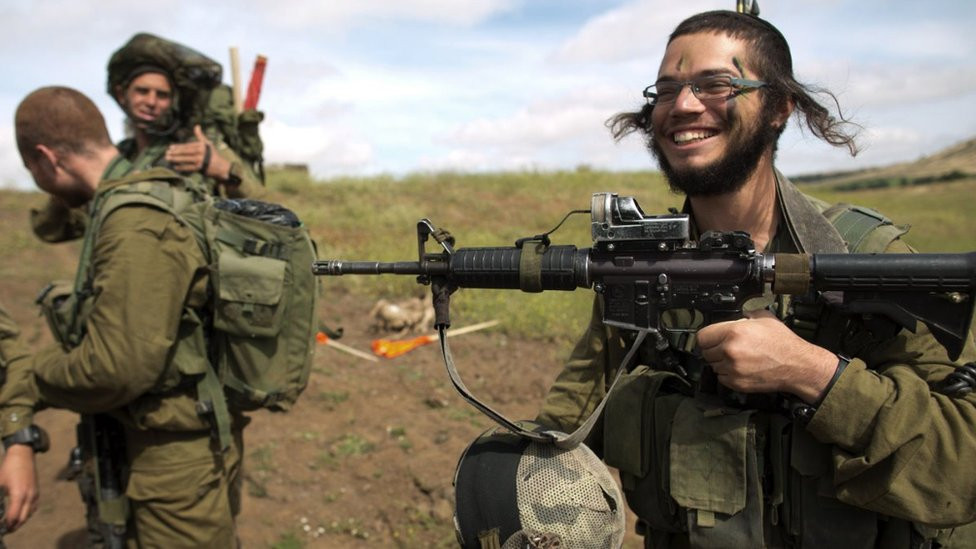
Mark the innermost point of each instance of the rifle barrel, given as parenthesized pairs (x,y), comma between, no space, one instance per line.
(338,267)
(568,268)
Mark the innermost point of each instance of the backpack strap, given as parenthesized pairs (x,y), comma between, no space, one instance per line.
(863,229)
(212,400)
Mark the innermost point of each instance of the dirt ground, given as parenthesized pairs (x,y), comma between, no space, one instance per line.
(366,457)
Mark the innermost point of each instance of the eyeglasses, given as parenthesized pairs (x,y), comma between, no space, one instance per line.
(705,88)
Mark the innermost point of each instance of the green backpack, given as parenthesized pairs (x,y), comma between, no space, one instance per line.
(261,315)
(199,97)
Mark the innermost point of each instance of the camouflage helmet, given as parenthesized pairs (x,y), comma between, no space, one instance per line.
(191,74)
(511,492)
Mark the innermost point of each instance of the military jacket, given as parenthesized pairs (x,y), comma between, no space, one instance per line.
(147,270)
(880,442)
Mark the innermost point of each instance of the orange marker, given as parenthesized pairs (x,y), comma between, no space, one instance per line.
(389,348)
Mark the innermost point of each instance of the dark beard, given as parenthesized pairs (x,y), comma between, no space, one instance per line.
(730,172)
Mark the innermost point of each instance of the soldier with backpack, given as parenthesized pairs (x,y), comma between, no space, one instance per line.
(179,116)
(139,353)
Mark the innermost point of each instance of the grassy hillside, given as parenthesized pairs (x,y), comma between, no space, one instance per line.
(375,218)
(954,163)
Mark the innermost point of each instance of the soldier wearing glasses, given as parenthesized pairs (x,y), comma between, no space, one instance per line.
(800,446)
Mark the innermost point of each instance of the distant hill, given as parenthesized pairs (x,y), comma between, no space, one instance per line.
(950,164)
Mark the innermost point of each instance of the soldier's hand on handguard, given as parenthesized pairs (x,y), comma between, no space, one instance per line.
(18,482)
(198,156)
(760,354)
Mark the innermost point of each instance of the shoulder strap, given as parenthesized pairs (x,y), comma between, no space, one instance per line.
(865,230)
(109,198)
(805,222)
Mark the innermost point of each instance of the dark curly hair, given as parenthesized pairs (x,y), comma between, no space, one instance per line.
(774,64)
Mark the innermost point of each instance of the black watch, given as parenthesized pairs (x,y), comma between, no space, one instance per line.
(234,175)
(32,435)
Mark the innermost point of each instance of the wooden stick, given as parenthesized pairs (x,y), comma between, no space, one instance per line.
(471,328)
(325,340)
(235,76)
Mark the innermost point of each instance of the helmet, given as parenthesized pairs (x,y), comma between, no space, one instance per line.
(511,492)
(191,75)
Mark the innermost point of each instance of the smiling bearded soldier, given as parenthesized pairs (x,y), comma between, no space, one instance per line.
(798,445)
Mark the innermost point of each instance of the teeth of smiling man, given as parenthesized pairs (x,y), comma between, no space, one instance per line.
(684,137)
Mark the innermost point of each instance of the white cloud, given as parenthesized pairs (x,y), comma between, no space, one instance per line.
(12,171)
(399,85)
(936,39)
(298,14)
(551,133)
(540,124)
(327,150)
(905,84)
(631,31)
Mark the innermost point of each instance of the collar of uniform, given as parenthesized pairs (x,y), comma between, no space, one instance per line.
(118,167)
(809,230)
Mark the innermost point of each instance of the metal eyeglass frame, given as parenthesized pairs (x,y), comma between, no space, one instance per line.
(738,85)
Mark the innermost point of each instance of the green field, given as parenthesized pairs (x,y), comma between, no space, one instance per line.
(375,218)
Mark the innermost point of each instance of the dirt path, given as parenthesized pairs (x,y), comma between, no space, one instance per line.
(365,459)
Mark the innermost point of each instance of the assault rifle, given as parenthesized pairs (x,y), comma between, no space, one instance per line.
(645,265)
(97,465)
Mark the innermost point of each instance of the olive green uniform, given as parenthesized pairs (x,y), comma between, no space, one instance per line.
(881,452)
(53,222)
(139,344)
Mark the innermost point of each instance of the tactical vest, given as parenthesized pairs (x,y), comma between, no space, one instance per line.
(769,482)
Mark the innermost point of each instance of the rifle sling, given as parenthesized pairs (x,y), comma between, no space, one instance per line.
(211,400)
(561,440)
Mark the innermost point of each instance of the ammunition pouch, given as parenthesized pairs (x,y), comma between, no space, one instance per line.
(637,432)
(715,474)
(802,502)
(722,477)
(59,306)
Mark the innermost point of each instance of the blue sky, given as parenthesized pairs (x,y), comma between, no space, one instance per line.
(361,87)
